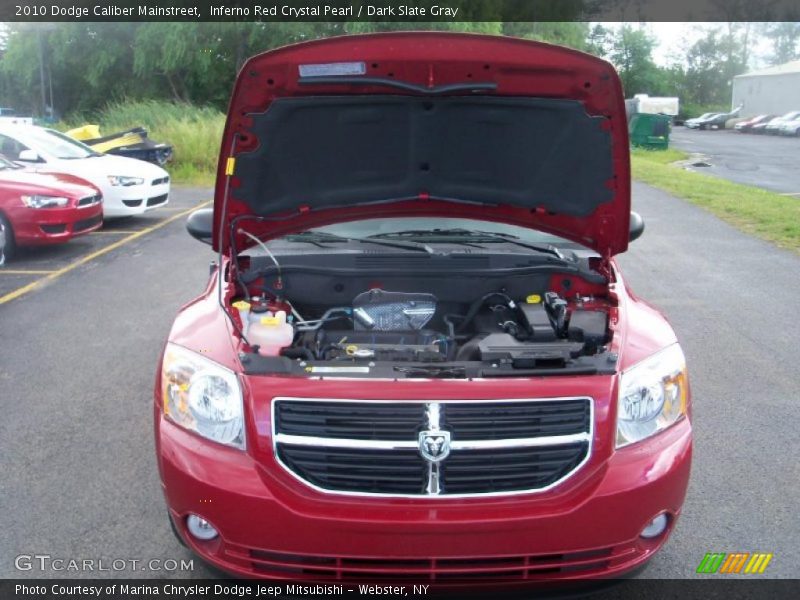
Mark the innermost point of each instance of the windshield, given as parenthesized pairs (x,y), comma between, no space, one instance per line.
(57,144)
(387,226)
(7,164)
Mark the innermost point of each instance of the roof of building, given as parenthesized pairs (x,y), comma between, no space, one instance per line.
(784,69)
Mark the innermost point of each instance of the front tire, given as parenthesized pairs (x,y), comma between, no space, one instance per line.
(7,243)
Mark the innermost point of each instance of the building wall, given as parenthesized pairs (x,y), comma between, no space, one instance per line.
(766,94)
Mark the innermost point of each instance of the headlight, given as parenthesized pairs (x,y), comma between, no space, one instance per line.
(124,181)
(652,395)
(202,396)
(37,201)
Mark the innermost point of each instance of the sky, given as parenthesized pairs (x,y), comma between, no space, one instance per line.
(672,37)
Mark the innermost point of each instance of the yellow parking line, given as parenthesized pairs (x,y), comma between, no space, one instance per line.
(119,231)
(24,272)
(93,255)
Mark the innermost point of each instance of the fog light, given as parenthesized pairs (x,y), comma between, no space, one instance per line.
(200,528)
(655,527)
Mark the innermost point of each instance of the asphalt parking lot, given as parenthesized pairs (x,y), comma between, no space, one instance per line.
(766,161)
(35,267)
(78,353)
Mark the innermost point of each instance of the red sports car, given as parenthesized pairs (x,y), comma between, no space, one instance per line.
(44,208)
(417,359)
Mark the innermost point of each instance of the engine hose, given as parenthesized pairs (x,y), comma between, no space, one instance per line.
(297,353)
(478,304)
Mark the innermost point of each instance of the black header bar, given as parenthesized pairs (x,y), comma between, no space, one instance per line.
(399,11)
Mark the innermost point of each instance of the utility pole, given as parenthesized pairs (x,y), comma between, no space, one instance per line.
(41,71)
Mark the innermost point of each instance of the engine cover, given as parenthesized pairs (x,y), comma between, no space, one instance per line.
(378,310)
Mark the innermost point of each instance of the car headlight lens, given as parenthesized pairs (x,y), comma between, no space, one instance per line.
(202,396)
(652,395)
(37,201)
(124,181)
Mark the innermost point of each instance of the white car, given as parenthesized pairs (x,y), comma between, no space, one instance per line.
(774,126)
(791,127)
(129,186)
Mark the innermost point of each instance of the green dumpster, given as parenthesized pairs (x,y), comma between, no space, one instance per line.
(650,131)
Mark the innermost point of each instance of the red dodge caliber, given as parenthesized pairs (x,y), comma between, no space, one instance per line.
(44,208)
(416,358)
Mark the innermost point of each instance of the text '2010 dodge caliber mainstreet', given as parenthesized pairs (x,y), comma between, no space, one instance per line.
(416,357)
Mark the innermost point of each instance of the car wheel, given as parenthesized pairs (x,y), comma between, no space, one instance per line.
(7,245)
(175,530)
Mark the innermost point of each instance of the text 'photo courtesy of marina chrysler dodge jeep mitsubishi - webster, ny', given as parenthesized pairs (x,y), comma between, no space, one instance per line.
(416,357)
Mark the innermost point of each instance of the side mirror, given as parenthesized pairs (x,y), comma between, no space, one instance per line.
(200,225)
(29,156)
(636,228)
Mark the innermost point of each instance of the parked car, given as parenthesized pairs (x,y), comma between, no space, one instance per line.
(44,208)
(129,186)
(747,125)
(791,127)
(697,122)
(773,127)
(418,354)
(712,120)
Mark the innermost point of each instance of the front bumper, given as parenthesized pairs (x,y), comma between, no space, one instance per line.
(33,227)
(124,201)
(275,528)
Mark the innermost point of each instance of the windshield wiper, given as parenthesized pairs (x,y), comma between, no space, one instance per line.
(318,237)
(467,86)
(432,236)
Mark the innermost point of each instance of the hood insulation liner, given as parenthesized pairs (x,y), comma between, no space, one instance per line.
(336,151)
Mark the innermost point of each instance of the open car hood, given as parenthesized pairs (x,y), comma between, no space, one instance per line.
(425,124)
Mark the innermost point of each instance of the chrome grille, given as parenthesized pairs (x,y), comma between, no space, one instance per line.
(420,448)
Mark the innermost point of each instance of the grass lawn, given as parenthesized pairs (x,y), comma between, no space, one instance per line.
(193,131)
(765,214)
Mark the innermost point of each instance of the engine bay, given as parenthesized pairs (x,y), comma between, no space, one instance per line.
(431,328)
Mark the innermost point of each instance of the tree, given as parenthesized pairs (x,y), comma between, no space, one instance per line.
(599,40)
(784,38)
(713,61)
(569,34)
(631,52)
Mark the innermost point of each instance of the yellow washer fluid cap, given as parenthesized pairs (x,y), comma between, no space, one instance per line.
(270,321)
(533,299)
(241,305)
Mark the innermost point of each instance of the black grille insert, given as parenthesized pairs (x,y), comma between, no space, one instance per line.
(87,223)
(88,200)
(404,420)
(374,447)
(156,200)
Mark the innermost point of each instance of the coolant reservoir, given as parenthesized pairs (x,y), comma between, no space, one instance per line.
(271,333)
(244,313)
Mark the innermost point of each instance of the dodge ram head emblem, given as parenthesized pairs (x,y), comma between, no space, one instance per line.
(434,446)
